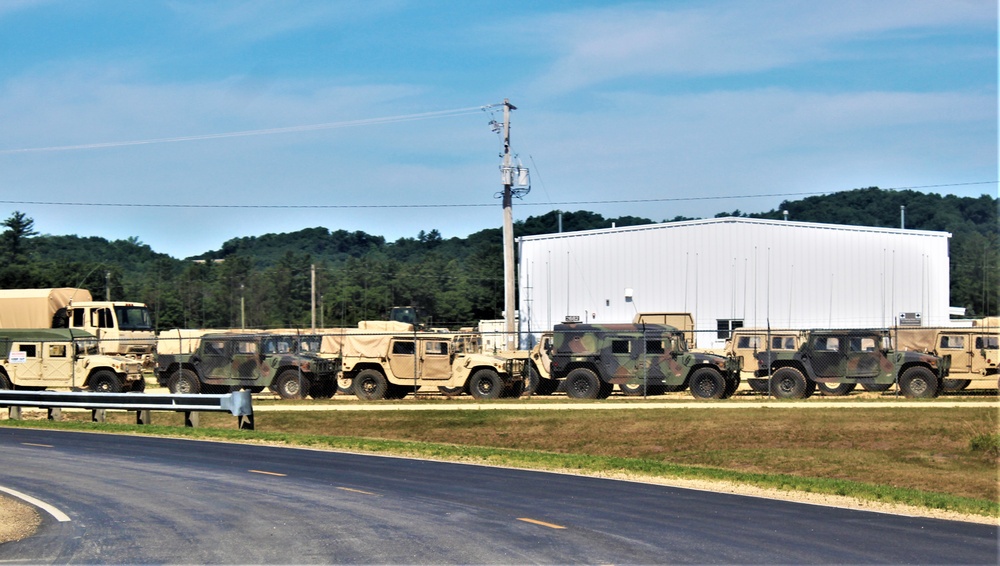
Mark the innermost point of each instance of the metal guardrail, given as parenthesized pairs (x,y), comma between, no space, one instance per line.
(237,403)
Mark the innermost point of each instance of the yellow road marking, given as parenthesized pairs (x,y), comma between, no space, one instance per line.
(542,523)
(39,445)
(356,491)
(267,473)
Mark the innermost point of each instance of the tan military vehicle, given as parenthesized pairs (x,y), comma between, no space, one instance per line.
(390,365)
(974,351)
(63,358)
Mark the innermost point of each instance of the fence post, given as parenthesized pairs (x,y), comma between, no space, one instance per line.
(14,413)
(143,417)
(97,415)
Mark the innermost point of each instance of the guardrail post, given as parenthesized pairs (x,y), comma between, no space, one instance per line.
(14,414)
(143,417)
(97,415)
(245,422)
(191,419)
(55,414)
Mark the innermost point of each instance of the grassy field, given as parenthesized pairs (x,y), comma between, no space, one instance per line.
(936,457)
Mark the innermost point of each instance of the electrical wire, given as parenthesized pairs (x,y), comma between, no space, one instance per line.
(462,205)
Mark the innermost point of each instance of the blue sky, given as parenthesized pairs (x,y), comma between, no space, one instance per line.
(652,109)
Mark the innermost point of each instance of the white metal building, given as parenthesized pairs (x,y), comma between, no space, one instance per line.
(732,272)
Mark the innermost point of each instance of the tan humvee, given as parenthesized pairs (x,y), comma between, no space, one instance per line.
(974,351)
(389,365)
(64,358)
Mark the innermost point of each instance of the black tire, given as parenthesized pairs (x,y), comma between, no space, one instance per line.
(370,385)
(583,383)
(345,386)
(398,391)
(758,385)
(138,386)
(105,381)
(835,389)
(323,389)
(184,382)
(486,384)
(290,384)
(5,382)
(707,383)
(732,384)
(876,387)
(919,383)
(955,384)
(789,383)
(451,391)
(546,386)
(514,389)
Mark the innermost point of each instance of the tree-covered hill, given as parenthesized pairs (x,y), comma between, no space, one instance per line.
(460,280)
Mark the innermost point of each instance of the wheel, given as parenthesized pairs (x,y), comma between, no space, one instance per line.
(919,383)
(789,383)
(323,389)
(583,383)
(758,385)
(835,389)
(732,384)
(707,383)
(370,385)
(514,389)
(4,382)
(184,382)
(345,386)
(633,389)
(955,384)
(605,390)
(105,381)
(532,382)
(291,385)
(138,386)
(546,386)
(876,387)
(450,391)
(486,384)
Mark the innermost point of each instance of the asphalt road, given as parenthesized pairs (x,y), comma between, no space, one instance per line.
(155,500)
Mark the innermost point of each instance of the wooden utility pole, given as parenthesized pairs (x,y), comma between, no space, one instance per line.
(509,275)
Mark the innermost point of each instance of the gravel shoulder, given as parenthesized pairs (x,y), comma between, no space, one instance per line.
(18,520)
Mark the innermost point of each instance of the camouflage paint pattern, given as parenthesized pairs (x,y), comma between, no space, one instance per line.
(248,361)
(849,356)
(654,354)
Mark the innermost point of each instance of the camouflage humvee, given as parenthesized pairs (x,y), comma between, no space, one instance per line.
(221,362)
(846,358)
(639,358)
(69,358)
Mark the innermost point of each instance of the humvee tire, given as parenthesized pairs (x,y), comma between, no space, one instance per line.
(707,383)
(450,391)
(835,389)
(876,387)
(105,381)
(370,385)
(919,383)
(138,386)
(789,383)
(486,384)
(291,385)
(955,384)
(184,382)
(583,383)
(4,382)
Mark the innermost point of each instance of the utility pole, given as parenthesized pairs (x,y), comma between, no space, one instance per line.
(509,281)
(312,295)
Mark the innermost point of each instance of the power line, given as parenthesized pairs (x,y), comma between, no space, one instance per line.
(247,133)
(460,205)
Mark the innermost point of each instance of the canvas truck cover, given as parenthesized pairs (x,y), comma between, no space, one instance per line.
(185,340)
(351,343)
(385,326)
(915,339)
(34,308)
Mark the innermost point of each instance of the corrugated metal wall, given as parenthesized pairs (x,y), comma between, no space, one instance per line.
(788,274)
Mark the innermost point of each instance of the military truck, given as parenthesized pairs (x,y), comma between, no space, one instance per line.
(849,357)
(974,352)
(220,362)
(391,365)
(122,328)
(639,358)
(63,358)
